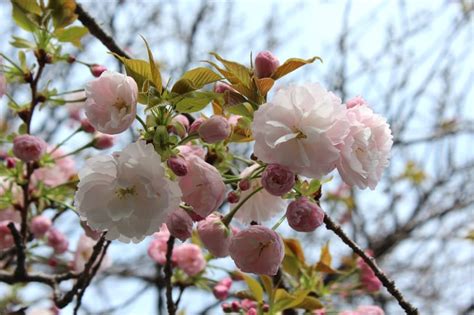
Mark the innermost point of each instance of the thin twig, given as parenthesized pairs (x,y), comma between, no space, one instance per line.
(168,275)
(98,32)
(20,270)
(388,283)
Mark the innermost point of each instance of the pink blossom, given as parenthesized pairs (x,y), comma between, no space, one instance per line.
(304,215)
(188,149)
(178,165)
(321,311)
(370,310)
(91,233)
(265,64)
(111,103)
(215,235)
(234,120)
(214,129)
(180,224)
(278,179)
(355,101)
(157,247)
(180,125)
(57,240)
(202,186)
(103,141)
(300,128)
(97,70)
(189,258)
(40,225)
(221,87)
(84,250)
(87,126)
(10,214)
(6,237)
(367,277)
(58,173)
(365,151)
(28,148)
(10,162)
(257,249)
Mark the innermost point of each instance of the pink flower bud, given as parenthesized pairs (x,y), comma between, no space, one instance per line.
(367,277)
(179,125)
(189,258)
(247,304)
(356,101)
(244,184)
(178,165)
(10,162)
(40,225)
(278,179)
(195,125)
(180,224)
(257,249)
(235,306)
(251,311)
(57,241)
(87,126)
(214,129)
(103,141)
(220,292)
(265,64)
(304,215)
(28,148)
(6,237)
(233,197)
(221,87)
(215,236)
(157,248)
(97,70)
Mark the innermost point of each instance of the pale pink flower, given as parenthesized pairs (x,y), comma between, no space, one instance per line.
(28,148)
(58,173)
(111,103)
(87,126)
(370,310)
(40,225)
(355,101)
(265,64)
(257,249)
(127,194)
(262,206)
(186,150)
(57,240)
(194,128)
(215,235)
(365,151)
(304,215)
(179,125)
(214,129)
(84,250)
(300,128)
(189,258)
(158,246)
(234,120)
(180,224)
(10,214)
(278,179)
(202,186)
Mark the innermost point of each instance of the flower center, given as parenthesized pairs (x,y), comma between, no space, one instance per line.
(120,104)
(122,193)
(299,133)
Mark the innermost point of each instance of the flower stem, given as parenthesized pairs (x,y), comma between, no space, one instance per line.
(226,220)
(65,140)
(274,227)
(142,122)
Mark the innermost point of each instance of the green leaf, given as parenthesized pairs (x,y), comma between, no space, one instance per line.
(194,101)
(23,19)
(19,42)
(71,34)
(285,300)
(138,69)
(195,79)
(254,287)
(264,85)
(30,6)
(155,77)
(291,65)
(62,12)
(240,72)
(293,248)
(242,109)
(324,263)
(310,303)
(268,285)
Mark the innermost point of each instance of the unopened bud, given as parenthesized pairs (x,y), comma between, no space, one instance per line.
(265,64)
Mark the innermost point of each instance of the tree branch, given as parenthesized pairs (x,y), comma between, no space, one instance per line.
(98,32)
(388,283)
(168,275)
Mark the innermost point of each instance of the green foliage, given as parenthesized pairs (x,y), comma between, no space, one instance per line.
(291,65)
(195,79)
(71,34)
